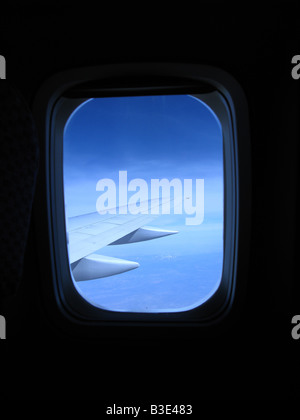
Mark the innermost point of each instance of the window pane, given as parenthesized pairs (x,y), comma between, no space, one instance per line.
(159,158)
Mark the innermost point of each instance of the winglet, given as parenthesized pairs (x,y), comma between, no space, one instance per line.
(97,266)
(143,234)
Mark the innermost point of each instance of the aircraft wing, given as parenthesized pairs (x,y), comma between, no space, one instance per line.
(90,232)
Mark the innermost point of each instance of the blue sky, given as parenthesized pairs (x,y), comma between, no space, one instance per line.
(174,136)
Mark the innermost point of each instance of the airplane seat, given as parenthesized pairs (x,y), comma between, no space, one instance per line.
(18,168)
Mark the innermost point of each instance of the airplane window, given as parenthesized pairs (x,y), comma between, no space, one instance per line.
(144,202)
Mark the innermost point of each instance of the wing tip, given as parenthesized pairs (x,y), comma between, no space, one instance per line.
(97,266)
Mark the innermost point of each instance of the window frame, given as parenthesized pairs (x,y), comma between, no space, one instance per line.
(56,101)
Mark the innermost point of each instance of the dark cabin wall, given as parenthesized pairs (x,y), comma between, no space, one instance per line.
(257,352)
